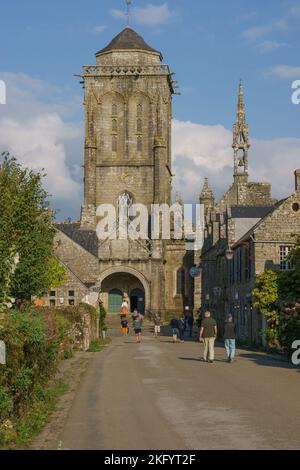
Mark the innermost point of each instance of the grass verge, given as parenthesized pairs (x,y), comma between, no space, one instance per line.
(19,432)
(98,344)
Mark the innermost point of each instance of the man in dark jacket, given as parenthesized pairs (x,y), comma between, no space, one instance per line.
(230,337)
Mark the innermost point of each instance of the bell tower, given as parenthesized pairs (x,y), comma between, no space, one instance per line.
(128,112)
(241,143)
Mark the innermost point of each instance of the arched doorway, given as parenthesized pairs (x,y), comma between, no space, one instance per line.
(115,297)
(137,300)
(117,283)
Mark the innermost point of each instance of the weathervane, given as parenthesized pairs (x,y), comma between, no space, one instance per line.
(128,4)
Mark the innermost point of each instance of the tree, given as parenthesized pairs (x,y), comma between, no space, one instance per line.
(26,229)
(266,293)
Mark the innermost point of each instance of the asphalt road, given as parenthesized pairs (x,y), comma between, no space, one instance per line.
(158,395)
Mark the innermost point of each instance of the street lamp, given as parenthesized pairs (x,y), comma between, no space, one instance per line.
(229,253)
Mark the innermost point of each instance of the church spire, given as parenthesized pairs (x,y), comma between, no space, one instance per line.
(241,139)
(207,196)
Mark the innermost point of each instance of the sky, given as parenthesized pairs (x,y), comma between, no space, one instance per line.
(210,45)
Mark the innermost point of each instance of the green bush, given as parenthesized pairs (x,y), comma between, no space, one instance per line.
(35,342)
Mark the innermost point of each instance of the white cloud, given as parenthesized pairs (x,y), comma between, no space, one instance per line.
(257,32)
(285,72)
(269,46)
(205,150)
(34,126)
(99,29)
(149,15)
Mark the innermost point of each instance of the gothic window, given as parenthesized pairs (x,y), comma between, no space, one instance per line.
(139,126)
(139,144)
(114,110)
(125,200)
(114,144)
(139,109)
(114,126)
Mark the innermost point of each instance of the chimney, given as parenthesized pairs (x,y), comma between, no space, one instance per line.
(297,180)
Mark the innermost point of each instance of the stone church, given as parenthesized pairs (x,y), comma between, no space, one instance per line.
(127,155)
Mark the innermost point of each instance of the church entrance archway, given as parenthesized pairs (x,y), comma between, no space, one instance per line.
(118,285)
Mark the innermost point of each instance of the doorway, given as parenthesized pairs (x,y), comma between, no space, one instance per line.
(137,300)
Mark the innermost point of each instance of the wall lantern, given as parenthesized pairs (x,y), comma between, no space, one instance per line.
(229,254)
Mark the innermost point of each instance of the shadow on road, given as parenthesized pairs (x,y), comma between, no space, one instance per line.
(266,361)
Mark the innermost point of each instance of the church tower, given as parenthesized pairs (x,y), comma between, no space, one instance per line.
(241,143)
(128,111)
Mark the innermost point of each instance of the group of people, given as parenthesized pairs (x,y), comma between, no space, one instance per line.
(179,327)
(207,328)
(207,335)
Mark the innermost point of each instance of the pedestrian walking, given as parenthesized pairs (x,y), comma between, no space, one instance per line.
(181,328)
(137,326)
(157,325)
(175,327)
(230,337)
(208,334)
(124,325)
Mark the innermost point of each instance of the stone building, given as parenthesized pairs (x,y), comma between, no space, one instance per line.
(246,232)
(127,157)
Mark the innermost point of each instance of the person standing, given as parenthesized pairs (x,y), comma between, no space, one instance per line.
(157,325)
(137,326)
(208,334)
(230,337)
(181,328)
(124,325)
(174,326)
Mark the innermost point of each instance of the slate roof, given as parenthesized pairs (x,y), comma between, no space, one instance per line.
(252,230)
(127,39)
(239,212)
(87,239)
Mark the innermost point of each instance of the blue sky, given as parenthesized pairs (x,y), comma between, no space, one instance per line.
(209,44)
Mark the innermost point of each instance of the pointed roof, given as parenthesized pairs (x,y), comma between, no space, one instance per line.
(240,128)
(207,192)
(125,40)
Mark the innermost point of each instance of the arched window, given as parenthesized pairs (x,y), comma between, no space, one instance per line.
(114,125)
(139,126)
(125,200)
(114,110)
(139,109)
(139,144)
(114,143)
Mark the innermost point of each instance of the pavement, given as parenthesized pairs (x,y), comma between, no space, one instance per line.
(159,396)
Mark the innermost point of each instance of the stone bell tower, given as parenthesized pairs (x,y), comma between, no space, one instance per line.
(128,111)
